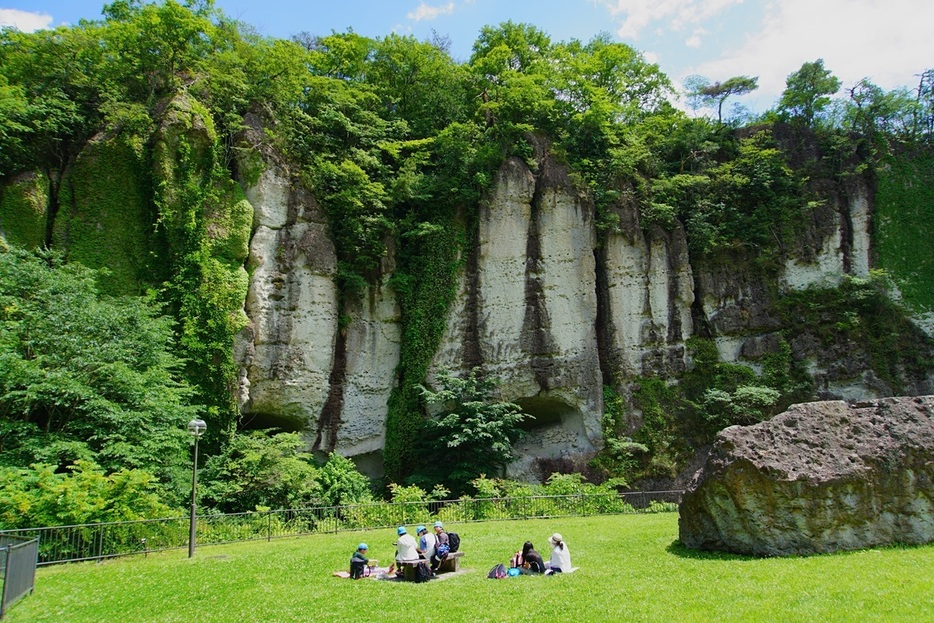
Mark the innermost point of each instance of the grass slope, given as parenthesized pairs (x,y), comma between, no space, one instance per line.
(631,569)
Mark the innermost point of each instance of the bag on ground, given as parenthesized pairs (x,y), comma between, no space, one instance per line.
(422,573)
(498,572)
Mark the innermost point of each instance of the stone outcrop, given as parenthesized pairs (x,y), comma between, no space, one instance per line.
(543,306)
(298,370)
(534,298)
(820,477)
(286,352)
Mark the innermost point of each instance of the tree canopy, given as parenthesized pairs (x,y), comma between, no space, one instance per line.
(808,91)
(87,377)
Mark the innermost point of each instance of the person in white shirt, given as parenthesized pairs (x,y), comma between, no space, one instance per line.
(560,555)
(426,543)
(405,545)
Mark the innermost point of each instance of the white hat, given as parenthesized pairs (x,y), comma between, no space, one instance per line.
(556,538)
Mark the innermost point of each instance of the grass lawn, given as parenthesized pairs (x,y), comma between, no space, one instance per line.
(631,569)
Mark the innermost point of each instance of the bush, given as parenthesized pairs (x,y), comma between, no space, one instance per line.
(84,493)
(257,470)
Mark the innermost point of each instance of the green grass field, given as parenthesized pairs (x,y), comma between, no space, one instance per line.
(631,569)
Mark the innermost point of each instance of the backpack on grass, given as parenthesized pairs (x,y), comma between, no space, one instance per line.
(498,572)
(422,573)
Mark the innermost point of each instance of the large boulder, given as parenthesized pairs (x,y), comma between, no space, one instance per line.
(820,477)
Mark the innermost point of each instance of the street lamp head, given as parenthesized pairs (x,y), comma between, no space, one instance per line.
(197,427)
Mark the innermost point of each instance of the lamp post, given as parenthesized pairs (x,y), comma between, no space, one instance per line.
(196,428)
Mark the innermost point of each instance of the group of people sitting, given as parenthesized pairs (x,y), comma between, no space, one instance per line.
(434,547)
(431,547)
(527,560)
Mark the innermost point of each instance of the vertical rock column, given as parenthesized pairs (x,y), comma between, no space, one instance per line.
(287,352)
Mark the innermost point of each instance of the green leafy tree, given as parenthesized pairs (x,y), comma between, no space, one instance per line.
(472,433)
(342,483)
(715,94)
(257,471)
(924,123)
(84,376)
(418,82)
(877,114)
(40,495)
(748,404)
(808,92)
(692,88)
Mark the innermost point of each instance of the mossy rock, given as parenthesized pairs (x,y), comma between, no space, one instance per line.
(23,202)
(103,218)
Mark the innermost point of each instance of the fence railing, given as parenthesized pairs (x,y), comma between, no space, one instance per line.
(99,541)
(18,564)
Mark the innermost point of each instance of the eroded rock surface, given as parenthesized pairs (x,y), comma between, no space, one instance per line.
(820,477)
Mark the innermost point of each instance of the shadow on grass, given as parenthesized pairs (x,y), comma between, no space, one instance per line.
(679,550)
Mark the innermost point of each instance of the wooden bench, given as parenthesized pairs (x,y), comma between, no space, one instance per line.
(451,562)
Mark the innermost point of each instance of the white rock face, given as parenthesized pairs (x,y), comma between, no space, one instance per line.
(287,351)
(843,252)
(536,312)
(827,270)
(861,219)
(526,313)
(503,244)
(651,289)
(372,347)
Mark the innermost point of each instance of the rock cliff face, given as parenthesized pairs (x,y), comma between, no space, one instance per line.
(542,306)
(298,369)
(821,477)
(528,313)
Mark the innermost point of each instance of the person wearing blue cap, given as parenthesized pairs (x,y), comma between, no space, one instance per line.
(358,562)
(405,545)
(426,543)
(442,546)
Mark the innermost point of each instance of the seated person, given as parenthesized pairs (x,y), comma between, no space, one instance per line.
(528,560)
(358,562)
(560,555)
(405,547)
(426,543)
(442,546)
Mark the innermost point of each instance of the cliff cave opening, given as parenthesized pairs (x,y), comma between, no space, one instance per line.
(264,421)
(548,412)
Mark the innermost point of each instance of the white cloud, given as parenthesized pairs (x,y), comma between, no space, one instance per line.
(695,41)
(24,20)
(887,41)
(637,15)
(430,12)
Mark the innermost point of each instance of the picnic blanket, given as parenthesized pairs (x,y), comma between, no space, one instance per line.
(376,573)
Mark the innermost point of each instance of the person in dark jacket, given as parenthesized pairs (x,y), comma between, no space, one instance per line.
(528,560)
(358,562)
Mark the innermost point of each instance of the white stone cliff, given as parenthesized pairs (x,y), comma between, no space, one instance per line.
(526,312)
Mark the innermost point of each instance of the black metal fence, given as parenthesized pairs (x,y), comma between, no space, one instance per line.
(107,540)
(18,559)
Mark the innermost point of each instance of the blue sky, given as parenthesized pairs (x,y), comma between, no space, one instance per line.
(887,41)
